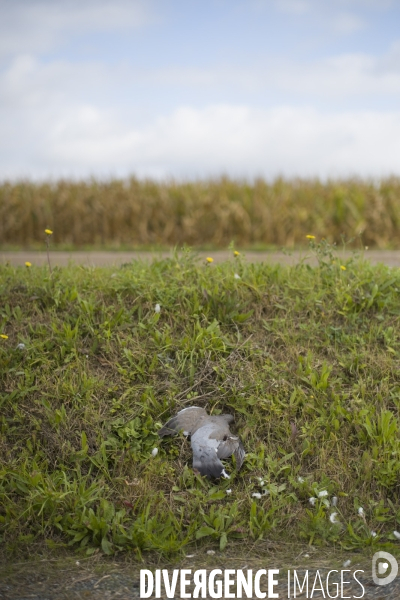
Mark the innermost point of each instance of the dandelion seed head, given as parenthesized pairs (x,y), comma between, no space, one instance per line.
(21,346)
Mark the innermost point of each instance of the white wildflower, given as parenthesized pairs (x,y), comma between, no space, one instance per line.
(154,452)
(300,479)
(228,491)
(21,346)
(334,501)
(333,518)
(190,555)
(360,511)
(210,552)
(373,533)
(322,494)
(396,535)
(113,274)
(312,500)
(306,556)
(236,276)
(347,563)
(262,483)
(256,495)
(77,563)
(157,308)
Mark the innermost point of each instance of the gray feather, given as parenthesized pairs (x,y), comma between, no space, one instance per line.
(185,420)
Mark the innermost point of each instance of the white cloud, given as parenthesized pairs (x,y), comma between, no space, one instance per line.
(348,77)
(38,26)
(237,140)
(338,77)
(293,7)
(347,23)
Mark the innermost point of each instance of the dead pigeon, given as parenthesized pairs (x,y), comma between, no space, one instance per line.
(210,438)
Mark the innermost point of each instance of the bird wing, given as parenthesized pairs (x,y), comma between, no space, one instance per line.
(185,420)
(205,448)
(232,445)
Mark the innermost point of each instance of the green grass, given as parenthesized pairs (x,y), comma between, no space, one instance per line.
(306,359)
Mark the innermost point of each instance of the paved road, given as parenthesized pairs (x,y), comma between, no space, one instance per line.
(387,257)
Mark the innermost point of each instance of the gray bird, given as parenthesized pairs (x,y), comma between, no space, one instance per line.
(210,438)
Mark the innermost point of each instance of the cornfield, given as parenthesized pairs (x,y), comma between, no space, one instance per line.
(133,213)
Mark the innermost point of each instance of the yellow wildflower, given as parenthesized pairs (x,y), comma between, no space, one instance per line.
(3,336)
(343,267)
(310,237)
(48,231)
(28,264)
(236,253)
(209,259)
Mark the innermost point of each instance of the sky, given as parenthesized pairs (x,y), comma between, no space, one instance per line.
(190,89)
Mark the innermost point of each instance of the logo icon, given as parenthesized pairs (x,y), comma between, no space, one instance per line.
(384,568)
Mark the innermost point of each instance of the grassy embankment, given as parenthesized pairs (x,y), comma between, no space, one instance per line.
(204,214)
(306,359)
